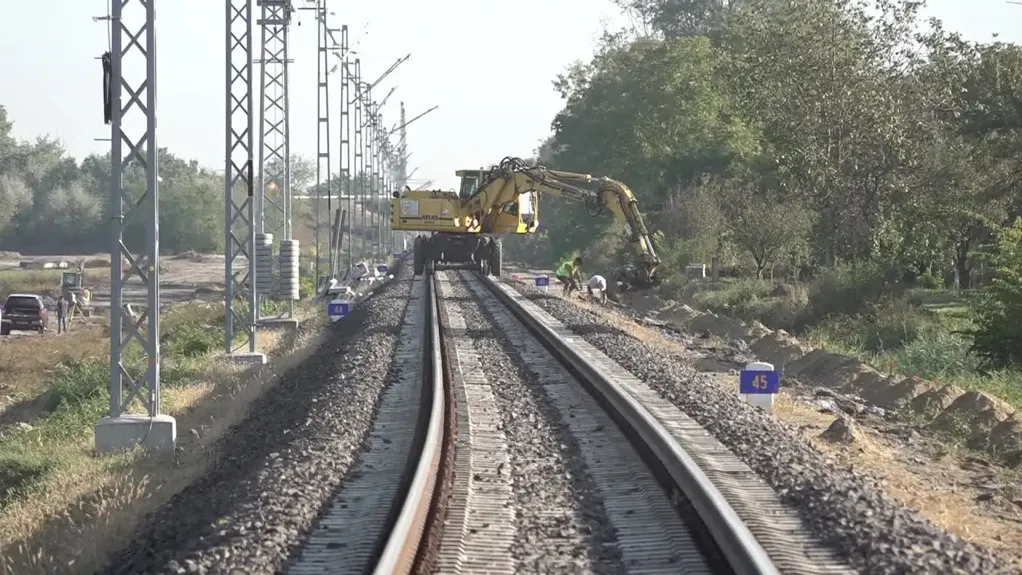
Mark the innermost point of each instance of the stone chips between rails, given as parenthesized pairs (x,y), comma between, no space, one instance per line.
(847,510)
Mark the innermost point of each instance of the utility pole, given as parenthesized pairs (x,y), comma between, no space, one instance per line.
(346,172)
(119,430)
(402,163)
(358,166)
(377,187)
(239,188)
(323,159)
(275,166)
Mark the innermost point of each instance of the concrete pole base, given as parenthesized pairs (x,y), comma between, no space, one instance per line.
(157,434)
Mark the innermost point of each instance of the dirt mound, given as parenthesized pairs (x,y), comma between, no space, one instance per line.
(818,363)
(645,303)
(931,403)
(779,348)
(679,316)
(723,327)
(974,413)
(989,422)
(897,394)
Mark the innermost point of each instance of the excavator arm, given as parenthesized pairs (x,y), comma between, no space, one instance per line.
(506,181)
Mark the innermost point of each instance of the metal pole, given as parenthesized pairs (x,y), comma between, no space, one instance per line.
(125,386)
(359,164)
(402,163)
(126,383)
(366,168)
(274,133)
(378,185)
(239,188)
(346,174)
(322,123)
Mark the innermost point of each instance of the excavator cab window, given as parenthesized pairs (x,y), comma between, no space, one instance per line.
(527,203)
(469,185)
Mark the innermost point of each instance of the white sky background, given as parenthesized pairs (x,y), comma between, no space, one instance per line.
(487,64)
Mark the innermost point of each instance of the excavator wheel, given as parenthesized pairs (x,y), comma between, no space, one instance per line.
(418,263)
(496,259)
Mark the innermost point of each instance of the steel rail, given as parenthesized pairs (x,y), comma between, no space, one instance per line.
(402,545)
(740,548)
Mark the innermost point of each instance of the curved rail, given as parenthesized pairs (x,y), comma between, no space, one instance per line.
(399,552)
(740,547)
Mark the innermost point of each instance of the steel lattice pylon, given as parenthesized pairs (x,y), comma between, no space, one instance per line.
(238,179)
(323,155)
(347,176)
(125,386)
(275,126)
(358,163)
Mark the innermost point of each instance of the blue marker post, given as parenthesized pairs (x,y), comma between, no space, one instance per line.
(337,309)
(759,384)
(543,282)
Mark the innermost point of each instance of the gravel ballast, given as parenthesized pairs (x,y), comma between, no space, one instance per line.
(845,509)
(561,526)
(251,511)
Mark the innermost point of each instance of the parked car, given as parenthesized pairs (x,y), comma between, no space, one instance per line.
(23,312)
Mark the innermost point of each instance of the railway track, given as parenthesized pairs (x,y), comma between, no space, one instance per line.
(436,490)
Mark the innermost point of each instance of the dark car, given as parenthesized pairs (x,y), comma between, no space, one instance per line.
(23,312)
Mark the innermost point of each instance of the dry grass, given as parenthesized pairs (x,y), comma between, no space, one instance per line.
(85,507)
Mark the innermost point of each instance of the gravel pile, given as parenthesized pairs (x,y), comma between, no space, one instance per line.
(845,509)
(282,463)
(561,525)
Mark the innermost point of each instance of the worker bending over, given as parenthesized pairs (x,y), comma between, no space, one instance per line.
(569,273)
(597,287)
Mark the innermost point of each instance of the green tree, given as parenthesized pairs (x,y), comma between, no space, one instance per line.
(997,337)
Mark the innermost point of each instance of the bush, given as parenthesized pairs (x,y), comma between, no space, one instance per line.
(935,355)
(846,290)
(997,337)
(881,328)
(79,394)
(194,341)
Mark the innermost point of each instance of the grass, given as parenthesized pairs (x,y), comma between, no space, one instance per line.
(908,331)
(56,389)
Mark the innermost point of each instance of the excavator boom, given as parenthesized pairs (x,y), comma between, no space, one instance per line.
(513,177)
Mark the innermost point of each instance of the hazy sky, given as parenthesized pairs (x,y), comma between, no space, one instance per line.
(488,65)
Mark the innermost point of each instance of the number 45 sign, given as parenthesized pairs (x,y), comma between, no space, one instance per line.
(759,384)
(760,381)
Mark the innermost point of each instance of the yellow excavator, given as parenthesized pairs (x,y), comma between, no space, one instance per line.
(505,200)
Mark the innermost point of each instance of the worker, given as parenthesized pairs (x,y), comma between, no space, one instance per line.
(597,287)
(62,312)
(569,273)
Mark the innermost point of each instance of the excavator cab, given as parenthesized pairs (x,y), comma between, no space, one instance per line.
(469,183)
(518,213)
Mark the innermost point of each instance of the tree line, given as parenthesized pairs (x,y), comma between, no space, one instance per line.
(792,137)
(51,203)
